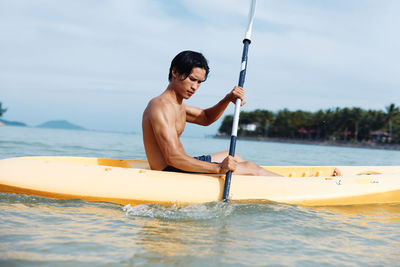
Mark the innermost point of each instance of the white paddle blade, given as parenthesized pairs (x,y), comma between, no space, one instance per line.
(251,19)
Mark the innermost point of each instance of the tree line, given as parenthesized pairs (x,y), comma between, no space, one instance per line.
(338,124)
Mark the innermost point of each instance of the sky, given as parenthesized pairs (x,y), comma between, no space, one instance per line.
(98,63)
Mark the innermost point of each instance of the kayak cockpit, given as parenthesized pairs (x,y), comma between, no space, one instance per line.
(286,171)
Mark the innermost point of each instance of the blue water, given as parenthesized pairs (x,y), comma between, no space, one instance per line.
(36,231)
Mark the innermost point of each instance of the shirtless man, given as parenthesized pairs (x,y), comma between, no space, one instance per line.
(165,117)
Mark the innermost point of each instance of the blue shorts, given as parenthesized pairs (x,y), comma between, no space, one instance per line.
(206,158)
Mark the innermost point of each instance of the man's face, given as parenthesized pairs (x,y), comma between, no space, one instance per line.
(187,87)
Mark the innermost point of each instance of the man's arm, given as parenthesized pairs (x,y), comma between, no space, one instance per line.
(207,116)
(163,122)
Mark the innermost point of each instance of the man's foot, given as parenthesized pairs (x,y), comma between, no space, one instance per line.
(336,172)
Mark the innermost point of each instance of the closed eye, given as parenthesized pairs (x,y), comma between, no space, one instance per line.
(193,79)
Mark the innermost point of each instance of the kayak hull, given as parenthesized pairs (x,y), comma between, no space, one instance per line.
(132,182)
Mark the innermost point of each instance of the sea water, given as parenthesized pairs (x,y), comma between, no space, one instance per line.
(37,231)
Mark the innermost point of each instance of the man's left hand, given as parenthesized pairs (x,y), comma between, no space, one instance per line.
(237,92)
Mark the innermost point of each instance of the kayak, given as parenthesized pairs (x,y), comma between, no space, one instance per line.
(132,182)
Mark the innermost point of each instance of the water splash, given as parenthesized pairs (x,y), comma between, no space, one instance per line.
(207,211)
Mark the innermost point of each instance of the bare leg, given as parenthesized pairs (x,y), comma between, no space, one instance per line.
(244,167)
(220,156)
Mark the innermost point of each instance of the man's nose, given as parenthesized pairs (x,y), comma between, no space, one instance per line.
(195,86)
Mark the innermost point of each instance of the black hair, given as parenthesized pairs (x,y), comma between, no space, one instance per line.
(185,61)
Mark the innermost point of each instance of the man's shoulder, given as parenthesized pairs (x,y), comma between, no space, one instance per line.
(159,105)
(159,102)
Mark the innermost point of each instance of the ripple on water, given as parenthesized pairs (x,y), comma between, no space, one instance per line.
(38,230)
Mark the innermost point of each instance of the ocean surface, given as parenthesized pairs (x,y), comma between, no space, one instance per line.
(37,231)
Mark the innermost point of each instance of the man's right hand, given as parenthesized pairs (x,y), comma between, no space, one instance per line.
(228,164)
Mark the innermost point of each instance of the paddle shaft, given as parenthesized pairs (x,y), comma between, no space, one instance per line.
(232,146)
(242,76)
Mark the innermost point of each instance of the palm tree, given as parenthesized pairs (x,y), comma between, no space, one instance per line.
(264,119)
(226,126)
(282,124)
(2,111)
(391,111)
(356,114)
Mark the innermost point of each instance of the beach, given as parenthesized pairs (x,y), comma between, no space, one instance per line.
(369,145)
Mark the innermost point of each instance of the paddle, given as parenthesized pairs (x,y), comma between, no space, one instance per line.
(242,76)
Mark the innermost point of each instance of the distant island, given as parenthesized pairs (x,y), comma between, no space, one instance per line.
(55,124)
(9,123)
(12,123)
(60,124)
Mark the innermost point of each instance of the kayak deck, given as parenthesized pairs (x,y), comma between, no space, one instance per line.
(132,182)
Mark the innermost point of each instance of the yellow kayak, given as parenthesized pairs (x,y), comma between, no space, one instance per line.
(132,182)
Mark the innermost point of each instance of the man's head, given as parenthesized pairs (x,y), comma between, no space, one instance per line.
(185,61)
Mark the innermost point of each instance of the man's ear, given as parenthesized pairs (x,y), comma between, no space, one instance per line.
(174,73)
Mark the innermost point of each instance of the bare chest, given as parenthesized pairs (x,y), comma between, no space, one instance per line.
(180,120)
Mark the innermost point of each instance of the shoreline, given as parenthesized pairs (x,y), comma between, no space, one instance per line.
(319,143)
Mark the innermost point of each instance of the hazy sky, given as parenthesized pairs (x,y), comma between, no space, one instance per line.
(97,63)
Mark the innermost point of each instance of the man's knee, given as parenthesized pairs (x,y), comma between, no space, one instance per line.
(238,158)
(248,168)
(220,156)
